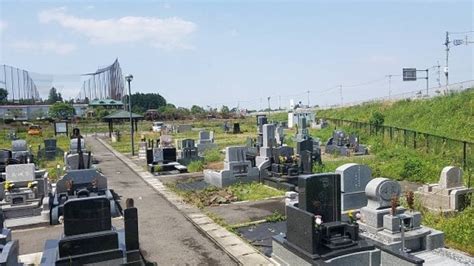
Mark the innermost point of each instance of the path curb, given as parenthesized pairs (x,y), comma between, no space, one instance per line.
(234,246)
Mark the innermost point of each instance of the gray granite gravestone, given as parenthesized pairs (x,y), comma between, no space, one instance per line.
(236,169)
(449,195)
(205,142)
(384,227)
(22,193)
(354,179)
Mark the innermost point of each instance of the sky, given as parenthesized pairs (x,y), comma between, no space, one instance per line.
(239,53)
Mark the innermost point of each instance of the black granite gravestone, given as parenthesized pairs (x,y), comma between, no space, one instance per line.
(169,155)
(304,145)
(87,216)
(320,194)
(236,129)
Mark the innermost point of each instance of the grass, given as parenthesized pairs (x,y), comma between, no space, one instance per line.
(254,191)
(195,166)
(238,192)
(449,116)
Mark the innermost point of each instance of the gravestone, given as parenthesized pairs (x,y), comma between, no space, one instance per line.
(354,179)
(5,157)
(236,169)
(50,148)
(449,195)
(80,184)
(236,128)
(384,227)
(305,163)
(279,135)
(315,234)
(158,155)
(20,172)
(9,248)
(23,190)
(303,132)
(90,239)
(320,194)
(205,142)
(342,144)
(183,128)
(73,161)
(73,148)
(20,151)
(451,177)
(188,152)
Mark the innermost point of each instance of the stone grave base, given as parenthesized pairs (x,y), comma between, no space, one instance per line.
(226,178)
(23,210)
(286,254)
(288,184)
(186,161)
(423,238)
(374,217)
(167,168)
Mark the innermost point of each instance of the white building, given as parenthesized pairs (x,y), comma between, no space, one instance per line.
(294,115)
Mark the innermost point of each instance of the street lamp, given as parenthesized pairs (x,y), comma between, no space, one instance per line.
(129,78)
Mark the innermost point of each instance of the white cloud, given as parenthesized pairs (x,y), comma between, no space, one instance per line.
(167,33)
(43,47)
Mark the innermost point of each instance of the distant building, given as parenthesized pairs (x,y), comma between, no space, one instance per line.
(106,103)
(33,112)
(294,115)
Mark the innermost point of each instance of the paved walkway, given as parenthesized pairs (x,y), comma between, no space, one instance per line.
(166,236)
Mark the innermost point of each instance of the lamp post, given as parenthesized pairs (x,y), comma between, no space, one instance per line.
(129,78)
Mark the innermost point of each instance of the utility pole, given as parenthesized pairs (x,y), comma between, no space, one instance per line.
(439,75)
(427,82)
(446,69)
(268,98)
(308,97)
(260,104)
(279,102)
(340,93)
(389,86)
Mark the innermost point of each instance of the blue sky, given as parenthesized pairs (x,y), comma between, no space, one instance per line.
(240,52)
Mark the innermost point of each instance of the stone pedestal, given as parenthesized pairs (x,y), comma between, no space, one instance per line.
(236,169)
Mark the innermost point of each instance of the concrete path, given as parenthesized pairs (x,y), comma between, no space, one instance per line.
(166,236)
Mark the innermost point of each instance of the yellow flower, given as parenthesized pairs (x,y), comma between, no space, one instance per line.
(351,214)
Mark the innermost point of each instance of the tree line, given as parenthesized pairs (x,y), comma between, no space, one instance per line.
(152,105)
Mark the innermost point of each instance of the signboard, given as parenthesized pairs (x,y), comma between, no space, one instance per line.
(61,127)
(458,42)
(409,74)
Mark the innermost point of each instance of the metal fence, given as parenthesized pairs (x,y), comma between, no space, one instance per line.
(459,151)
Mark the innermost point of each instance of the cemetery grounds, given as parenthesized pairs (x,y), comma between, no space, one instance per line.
(411,167)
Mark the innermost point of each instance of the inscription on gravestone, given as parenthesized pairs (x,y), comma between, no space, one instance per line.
(320,194)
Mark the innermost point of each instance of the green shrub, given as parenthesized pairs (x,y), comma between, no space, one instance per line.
(412,169)
(195,166)
(213,155)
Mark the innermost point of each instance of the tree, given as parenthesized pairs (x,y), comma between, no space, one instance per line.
(61,110)
(195,110)
(141,102)
(3,95)
(54,96)
(377,119)
(225,112)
